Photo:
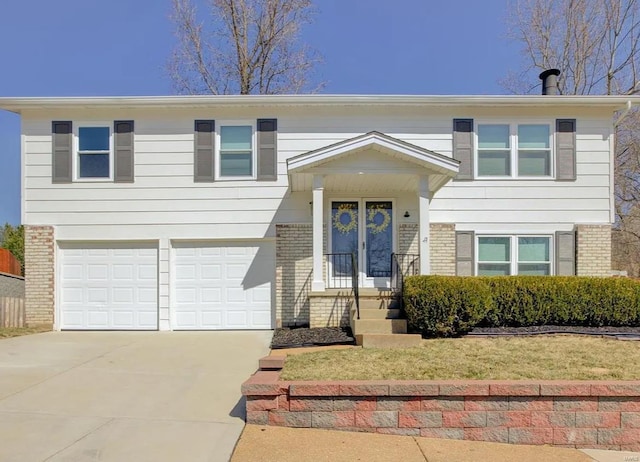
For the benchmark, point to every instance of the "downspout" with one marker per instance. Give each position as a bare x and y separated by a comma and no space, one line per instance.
624,114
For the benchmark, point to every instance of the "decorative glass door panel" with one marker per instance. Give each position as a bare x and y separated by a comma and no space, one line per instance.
378,239
371,243
344,242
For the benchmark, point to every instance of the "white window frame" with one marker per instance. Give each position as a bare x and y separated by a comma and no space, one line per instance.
254,149
513,247
75,163
513,144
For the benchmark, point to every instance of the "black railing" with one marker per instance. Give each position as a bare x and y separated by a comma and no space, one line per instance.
355,283
402,264
342,271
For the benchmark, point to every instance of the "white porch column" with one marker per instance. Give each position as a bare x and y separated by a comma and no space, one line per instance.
317,284
424,198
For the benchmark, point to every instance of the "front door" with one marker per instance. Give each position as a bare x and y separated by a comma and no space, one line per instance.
363,228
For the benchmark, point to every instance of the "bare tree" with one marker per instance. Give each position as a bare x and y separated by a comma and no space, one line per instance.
244,47
596,45
594,42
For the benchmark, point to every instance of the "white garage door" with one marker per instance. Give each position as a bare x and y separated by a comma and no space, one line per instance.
223,286
109,286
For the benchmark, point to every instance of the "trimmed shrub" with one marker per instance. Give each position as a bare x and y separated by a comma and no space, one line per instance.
443,306
449,305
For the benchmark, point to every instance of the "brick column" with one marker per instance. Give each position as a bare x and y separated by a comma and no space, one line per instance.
39,275
443,249
594,250
294,265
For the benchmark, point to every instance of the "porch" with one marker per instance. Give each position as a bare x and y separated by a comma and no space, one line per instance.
369,198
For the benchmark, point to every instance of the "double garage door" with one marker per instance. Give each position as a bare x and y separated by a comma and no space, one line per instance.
213,286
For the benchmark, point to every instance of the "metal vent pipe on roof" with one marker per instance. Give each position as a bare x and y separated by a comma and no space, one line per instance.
549,81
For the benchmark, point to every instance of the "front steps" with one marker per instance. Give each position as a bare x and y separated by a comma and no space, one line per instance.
380,324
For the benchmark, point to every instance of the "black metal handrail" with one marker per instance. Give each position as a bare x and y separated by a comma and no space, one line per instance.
343,272
355,283
402,264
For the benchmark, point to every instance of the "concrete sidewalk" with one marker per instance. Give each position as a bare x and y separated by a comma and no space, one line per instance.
265,444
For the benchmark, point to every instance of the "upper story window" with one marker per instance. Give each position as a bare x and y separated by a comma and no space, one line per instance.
94,152
507,255
237,153
514,150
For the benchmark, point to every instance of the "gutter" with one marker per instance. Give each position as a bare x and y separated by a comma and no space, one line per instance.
629,105
20,104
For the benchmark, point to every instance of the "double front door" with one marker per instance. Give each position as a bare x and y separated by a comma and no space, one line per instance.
364,228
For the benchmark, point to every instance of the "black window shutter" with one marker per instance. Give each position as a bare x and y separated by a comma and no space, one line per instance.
465,253
123,151
463,147
566,149
204,150
565,253
62,143
267,149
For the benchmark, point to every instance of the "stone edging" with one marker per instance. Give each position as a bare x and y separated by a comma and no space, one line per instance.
577,414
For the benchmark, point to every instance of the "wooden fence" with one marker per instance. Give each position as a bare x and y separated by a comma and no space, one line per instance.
12,312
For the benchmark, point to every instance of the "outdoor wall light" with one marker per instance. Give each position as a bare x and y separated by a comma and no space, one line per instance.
407,214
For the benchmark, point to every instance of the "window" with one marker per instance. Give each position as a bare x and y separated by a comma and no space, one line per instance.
506,255
236,151
534,150
94,152
507,150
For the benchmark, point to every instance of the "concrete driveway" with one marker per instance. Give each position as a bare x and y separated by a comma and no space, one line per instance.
119,396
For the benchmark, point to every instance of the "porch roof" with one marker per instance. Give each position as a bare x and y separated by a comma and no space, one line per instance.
361,163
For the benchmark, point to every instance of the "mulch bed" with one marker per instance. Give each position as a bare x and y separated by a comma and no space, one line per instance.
619,332
304,336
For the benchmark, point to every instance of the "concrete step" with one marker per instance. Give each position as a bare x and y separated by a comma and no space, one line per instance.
379,326
377,303
375,313
379,293
389,340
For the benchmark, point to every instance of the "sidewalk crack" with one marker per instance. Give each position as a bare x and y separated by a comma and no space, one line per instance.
415,440
79,439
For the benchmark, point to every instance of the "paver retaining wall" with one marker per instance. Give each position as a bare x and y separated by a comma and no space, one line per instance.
577,414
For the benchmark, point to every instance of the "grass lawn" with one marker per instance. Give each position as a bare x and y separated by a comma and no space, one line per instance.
7,332
562,357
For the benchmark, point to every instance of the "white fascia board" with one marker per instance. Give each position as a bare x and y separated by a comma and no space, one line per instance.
604,101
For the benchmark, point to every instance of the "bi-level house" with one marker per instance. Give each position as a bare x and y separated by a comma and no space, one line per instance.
250,212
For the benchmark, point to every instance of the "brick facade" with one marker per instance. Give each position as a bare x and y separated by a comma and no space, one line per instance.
296,304
578,414
443,249
330,308
294,265
593,250
39,275
408,238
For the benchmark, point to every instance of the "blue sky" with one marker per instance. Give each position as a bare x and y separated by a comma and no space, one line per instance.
120,47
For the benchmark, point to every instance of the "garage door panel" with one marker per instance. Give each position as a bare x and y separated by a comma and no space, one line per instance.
219,275
97,296
97,272
109,286
210,295
211,319
211,272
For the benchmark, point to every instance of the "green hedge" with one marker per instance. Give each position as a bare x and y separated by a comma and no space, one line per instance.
449,305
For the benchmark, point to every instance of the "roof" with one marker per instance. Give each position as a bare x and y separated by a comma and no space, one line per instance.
612,103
